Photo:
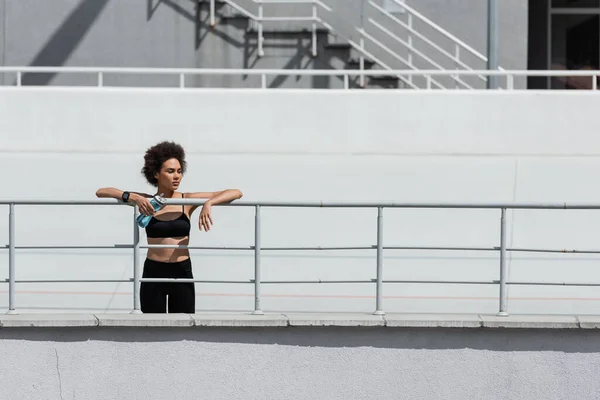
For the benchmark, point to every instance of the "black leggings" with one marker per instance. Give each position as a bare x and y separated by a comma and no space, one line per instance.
153,295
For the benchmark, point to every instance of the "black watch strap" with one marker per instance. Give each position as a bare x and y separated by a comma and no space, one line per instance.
125,197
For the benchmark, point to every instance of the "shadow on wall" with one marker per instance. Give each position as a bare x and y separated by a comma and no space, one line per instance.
66,38
506,340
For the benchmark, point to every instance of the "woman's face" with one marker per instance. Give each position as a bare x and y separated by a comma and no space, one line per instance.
170,175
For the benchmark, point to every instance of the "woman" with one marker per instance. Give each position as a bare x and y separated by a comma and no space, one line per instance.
164,167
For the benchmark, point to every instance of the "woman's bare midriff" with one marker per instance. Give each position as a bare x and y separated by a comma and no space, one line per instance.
168,255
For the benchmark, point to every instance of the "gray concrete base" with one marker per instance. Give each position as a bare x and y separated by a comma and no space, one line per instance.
298,320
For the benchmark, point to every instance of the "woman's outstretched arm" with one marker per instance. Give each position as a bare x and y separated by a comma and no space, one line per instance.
140,199
213,198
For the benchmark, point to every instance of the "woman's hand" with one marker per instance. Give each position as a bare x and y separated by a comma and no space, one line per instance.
205,219
143,204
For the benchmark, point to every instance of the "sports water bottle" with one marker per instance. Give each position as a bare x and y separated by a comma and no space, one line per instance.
157,202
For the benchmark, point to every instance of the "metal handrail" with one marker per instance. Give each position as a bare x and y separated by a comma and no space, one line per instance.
441,30
316,19
379,247
182,72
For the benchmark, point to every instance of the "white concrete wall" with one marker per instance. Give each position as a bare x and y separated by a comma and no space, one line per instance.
314,145
298,363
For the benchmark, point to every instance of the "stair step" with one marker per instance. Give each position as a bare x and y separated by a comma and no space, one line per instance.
287,32
340,46
384,78
356,62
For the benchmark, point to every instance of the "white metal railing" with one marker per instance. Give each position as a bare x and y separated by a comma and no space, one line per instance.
502,282
101,72
460,47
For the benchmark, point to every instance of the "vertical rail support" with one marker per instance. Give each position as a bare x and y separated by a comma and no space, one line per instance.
410,44
181,81
314,28
213,20
503,267
429,81
379,294
257,309
261,50
594,82
510,82
456,61
11,259
362,60
263,81
136,264
19,78
346,82
100,79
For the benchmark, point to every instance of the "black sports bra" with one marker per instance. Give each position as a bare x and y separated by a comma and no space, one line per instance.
178,227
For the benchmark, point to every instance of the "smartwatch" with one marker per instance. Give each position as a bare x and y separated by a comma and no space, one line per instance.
125,197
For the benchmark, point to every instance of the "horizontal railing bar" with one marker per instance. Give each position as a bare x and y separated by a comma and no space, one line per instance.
182,246
175,280
322,204
75,247
553,284
284,19
71,281
301,248
289,72
186,280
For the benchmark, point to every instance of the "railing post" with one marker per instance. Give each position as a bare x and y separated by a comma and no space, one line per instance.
257,309
136,264
410,44
429,81
456,62
314,28
100,79
19,78
213,21
182,81
261,51
594,82
510,82
379,294
346,82
362,60
11,259
263,81
503,267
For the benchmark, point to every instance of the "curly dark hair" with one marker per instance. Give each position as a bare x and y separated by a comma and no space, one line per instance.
156,156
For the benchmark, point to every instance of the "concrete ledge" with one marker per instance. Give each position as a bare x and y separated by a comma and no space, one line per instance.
471,321
145,320
240,320
530,321
432,321
47,320
335,320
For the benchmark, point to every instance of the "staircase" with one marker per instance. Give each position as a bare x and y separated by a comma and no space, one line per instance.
364,38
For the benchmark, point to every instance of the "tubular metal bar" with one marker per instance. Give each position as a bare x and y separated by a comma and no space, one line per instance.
11,260
379,290
257,309
304,72
183,246
75,281
437,282
325,204
136,264
213,21
503,266
300,248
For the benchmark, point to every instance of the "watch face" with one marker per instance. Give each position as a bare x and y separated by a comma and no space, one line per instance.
125,196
